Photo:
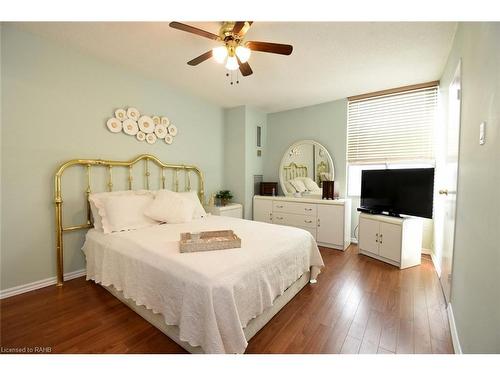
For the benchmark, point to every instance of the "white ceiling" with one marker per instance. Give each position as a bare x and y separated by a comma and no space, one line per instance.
330,60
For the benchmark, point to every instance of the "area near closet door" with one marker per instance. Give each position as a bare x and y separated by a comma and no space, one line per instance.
328,221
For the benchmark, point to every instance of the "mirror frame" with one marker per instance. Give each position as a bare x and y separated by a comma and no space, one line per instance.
283,158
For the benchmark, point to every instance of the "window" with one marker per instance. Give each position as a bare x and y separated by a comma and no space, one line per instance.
391,130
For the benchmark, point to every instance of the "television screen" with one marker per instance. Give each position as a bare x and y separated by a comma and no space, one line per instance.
398,191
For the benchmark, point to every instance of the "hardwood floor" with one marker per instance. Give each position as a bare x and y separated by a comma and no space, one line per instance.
359,305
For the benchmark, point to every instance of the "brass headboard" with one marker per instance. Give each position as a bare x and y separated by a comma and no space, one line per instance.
293,170
88,164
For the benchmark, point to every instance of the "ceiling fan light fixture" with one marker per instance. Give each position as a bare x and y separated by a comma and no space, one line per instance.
219,54
232,63
243,53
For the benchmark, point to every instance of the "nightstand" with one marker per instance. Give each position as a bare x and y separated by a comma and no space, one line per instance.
231,210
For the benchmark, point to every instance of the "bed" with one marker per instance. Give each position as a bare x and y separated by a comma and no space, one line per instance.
207,302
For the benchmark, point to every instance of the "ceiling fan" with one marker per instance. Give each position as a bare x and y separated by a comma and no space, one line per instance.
235,52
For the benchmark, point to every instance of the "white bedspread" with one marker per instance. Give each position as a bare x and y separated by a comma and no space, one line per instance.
210,295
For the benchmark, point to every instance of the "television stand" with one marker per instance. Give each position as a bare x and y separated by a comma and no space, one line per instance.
393,240
393,214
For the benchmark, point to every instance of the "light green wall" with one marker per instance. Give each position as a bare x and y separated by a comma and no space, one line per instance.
241,161
325,123
254,163
234,146
475,293
55,103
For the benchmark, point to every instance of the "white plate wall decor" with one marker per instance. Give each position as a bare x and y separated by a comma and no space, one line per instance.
121,114
151,138
114,125
172,130
161,131
130,127
146,124
133,113
143,127
140,136
165,121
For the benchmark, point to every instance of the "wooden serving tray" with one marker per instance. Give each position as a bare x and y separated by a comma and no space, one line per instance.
211,240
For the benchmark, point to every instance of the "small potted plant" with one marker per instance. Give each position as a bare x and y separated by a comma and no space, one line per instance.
224,196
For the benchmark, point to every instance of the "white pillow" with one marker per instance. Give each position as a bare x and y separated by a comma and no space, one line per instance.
310,184
199,211
289,187
298,185
123,210
94,197
96,218
171,207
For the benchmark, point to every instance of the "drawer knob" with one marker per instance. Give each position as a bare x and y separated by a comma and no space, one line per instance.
279,206
308,209
308,221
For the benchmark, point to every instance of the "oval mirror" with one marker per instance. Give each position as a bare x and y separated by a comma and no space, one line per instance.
308,162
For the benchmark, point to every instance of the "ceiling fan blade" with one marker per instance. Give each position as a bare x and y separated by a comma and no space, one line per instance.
193,30
281,49
241,27
200,59
244,68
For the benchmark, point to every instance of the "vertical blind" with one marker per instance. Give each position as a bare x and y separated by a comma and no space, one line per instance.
392,128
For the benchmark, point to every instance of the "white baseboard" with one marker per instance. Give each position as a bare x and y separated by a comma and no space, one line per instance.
426,251
354,240
39,284
453,329
436,264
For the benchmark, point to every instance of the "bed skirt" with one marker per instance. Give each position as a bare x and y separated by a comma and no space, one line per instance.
253,326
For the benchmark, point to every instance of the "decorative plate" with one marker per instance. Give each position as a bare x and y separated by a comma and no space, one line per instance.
133,113
146,124
169,139
156,120
165,121
172,130
120,114
140,136
130,127
114,125
161,131
151,138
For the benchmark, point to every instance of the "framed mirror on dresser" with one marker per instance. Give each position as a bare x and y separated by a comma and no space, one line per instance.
304,168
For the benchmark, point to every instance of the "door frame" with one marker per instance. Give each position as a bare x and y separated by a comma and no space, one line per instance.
457,73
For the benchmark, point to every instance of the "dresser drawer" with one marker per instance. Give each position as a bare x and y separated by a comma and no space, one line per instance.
294,220
294,208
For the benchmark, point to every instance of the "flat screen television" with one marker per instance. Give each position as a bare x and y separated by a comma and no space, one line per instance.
398,191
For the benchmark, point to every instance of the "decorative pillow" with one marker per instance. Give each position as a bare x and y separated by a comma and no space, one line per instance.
96,218
298,185
289,187
93,197
310,184
123,210
171,207
199,211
